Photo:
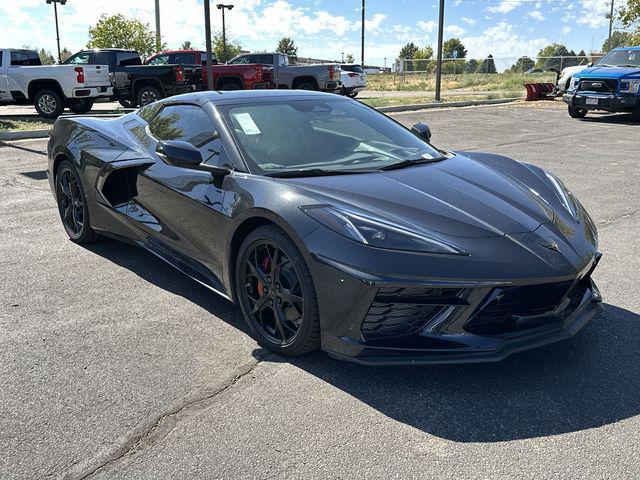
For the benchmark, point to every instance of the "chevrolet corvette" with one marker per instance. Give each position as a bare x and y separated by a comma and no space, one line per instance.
334,227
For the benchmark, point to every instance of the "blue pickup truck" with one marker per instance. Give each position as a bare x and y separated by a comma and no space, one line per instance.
612,84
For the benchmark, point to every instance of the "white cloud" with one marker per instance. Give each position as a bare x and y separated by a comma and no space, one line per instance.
470,21
566,30
536,15
454,30
594,13
505,6
427,26
502,41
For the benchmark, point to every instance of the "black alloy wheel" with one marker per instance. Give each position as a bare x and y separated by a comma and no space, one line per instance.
72,204
575,112
276,293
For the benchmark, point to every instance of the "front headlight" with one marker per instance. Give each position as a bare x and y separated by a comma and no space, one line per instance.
574,83
377,232
630,86
564,195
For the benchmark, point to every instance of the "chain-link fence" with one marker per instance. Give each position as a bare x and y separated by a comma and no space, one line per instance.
490,77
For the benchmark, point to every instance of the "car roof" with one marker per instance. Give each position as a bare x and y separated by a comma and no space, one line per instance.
628,48
182,51
108,50
246,96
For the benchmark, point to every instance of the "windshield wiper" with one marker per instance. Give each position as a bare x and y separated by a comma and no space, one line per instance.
313,172
411,162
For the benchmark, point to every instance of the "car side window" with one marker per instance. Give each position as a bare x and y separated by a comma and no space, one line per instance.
24,59
190,123
1,52
183,59
160,60
80,59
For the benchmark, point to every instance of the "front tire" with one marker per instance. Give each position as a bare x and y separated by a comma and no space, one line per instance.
575,112
635,114
72,204
276,293
48,103
81,106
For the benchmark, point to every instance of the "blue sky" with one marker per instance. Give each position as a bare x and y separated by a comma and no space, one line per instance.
326,28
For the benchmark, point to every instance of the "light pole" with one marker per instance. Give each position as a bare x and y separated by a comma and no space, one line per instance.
158,36
224,33
55,11
362,39
342,57
610,27
439,57
207,40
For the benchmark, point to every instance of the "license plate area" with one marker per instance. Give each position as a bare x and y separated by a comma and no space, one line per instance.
591,101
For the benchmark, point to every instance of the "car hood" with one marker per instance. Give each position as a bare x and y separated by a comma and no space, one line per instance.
609,72
457,197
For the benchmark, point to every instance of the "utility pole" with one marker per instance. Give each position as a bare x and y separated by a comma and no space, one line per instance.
224,32
55,12
362,39
158,36
207,35
610,27
342,57
439,57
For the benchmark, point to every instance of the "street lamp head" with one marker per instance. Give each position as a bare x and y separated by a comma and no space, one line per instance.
220,6
61,2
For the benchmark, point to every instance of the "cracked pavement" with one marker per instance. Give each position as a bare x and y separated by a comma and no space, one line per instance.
113,365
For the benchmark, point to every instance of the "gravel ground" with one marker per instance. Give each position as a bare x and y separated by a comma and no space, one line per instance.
112,365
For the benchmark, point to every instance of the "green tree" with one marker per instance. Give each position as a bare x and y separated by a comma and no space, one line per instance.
618,39
453,45
488,65
233,48
555,51
65,53
288,47
630,17
186,46
472,66
349,58
423,59
407,52
522,65
118,31
45,57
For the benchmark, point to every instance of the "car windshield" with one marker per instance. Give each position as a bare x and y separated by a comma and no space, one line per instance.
620,58
330,135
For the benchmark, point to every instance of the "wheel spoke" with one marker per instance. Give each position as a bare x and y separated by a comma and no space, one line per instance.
259,305
275,264
280,320
257,272
290,297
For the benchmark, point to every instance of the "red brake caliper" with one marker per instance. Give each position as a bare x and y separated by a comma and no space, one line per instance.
265,268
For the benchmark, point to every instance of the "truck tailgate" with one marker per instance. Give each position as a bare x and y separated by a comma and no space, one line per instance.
96,74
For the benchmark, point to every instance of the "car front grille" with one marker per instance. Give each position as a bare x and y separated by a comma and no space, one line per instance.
515,309
604,85
404,311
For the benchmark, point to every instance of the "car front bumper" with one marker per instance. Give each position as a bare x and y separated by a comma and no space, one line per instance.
609,103
378,319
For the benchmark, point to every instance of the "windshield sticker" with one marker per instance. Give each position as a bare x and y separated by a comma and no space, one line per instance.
249,127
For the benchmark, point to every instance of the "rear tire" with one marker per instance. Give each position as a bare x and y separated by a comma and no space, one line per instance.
353,94
305,86
276,293
127,103
575,112
72,204
227,87
147,95
80,106
48,103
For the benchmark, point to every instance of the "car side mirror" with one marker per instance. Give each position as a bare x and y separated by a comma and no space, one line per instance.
422,130
590,64
184,155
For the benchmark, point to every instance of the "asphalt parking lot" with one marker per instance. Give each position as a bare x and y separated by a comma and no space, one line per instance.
113,365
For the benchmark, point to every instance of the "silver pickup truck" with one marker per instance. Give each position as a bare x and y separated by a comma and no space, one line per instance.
324,77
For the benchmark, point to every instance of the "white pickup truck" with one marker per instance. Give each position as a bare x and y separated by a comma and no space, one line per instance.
51,88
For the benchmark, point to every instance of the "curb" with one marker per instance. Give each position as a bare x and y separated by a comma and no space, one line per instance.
24,135
425,106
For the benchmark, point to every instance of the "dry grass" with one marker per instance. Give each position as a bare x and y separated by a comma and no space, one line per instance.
24,125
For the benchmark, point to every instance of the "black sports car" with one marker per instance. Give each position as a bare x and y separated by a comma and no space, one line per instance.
333,226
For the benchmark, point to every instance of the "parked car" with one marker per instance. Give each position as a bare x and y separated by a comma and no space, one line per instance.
138,84
566,76
333,226
225,77
612,85
51,88
324,77
353,79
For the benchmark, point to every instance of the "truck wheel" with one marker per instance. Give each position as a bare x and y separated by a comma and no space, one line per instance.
575,112
80,106
635,114
230,86
305,86
127,103
147,95
353,94
48,103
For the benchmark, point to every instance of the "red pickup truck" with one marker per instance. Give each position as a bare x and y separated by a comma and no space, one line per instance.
225,77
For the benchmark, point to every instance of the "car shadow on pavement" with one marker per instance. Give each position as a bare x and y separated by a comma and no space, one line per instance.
588,381
614,119
585,382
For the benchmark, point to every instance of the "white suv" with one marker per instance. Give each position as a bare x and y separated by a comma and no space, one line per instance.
353,78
